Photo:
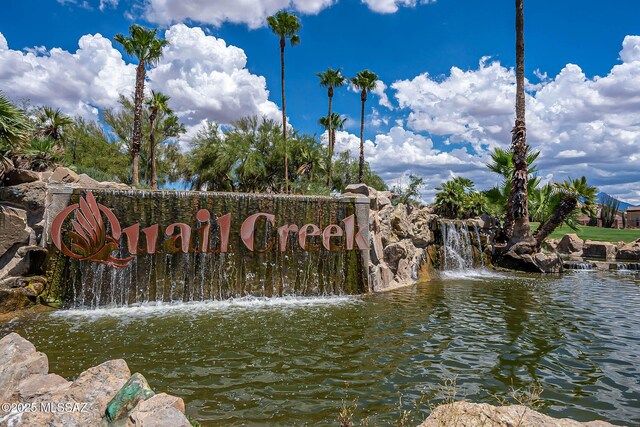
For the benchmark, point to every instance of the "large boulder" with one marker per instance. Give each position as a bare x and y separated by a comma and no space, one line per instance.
63,175
18,361
420,220
21,176
17,293
571,244
27,261
630,251
400,224
13,228
604,250
159,410
467,414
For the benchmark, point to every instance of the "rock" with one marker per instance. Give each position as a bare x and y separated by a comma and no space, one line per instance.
383,201
28,261
159,411
29,196
522,256
420,234
630,251
377,248
362,189
64,175
17,293
399,220
394,253
373,198
39,385
548,263
85,181
21,176
386,232
114,185
95,387
551,244
466,414
135,390
13,228
571,244
604,250
19,360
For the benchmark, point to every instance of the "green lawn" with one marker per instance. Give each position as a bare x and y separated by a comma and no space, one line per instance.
596,233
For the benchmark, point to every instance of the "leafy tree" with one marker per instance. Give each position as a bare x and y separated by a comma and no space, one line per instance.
365,81
143,44
285,25
330,79
572,195
170,161
608,211
517,219
347,170
411,192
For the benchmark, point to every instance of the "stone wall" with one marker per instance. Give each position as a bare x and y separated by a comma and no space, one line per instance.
24,205
402,245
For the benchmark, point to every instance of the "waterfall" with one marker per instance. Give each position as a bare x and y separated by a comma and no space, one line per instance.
622,266
168,275
458,248
579,265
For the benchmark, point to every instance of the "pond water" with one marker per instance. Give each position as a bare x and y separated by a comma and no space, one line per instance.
297,361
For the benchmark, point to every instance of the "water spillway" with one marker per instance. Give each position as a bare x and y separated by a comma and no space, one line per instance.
461,246
123,247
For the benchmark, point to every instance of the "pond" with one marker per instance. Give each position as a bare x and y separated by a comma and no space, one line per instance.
297,361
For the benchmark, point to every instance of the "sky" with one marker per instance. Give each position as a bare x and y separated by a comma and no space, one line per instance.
445,94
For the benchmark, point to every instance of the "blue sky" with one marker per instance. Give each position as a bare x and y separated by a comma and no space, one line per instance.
445,123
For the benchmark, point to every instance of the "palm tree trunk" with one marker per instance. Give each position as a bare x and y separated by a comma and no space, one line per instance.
566,206
152,148
284,118
363,97
518,197
329,134
137,122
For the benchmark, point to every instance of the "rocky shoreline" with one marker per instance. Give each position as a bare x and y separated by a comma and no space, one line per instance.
107,394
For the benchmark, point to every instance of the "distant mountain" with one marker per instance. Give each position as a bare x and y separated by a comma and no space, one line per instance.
623,205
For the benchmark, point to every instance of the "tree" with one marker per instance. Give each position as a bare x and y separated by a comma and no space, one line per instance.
170,162
15,130
571,195
517,221
52,123
365,81
336,123
609,210
347,170
144,44
330,79
411,192
286,26
450,200
157,103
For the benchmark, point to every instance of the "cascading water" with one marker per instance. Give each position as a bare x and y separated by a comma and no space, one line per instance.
458,248
579,265
167,276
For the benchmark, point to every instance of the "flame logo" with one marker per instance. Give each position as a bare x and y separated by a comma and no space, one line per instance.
89,239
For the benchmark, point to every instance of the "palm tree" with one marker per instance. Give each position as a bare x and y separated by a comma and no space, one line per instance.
157,103
365,81
15,129
336,123
572,195
144,44
517,219
285,25
51,123
330,79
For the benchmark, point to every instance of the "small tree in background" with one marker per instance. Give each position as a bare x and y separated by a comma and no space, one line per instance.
608,211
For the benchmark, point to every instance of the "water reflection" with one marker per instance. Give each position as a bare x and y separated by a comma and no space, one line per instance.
261,361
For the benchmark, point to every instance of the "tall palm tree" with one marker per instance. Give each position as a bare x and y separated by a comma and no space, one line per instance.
336,123
158,103
517,222
365,81
330,79
144,44
285,25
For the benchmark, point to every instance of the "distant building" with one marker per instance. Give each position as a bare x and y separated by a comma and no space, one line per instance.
633,217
